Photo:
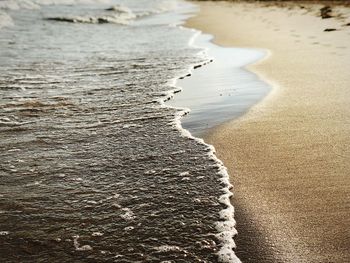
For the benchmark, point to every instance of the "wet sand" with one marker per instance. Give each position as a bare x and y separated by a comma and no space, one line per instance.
289,156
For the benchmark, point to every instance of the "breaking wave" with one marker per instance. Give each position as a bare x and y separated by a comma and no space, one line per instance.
92,20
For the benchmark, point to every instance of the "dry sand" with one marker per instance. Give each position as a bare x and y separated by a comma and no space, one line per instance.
289,156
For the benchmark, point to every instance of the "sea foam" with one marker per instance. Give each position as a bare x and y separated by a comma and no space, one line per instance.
226,225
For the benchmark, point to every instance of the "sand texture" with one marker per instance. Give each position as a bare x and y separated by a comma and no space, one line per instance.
289,156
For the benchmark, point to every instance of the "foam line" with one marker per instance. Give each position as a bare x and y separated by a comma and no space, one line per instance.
226,225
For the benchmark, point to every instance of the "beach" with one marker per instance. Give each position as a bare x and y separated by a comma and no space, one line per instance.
289,156
98,166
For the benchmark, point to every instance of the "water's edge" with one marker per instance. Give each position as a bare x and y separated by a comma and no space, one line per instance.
90,149
223,90
185,124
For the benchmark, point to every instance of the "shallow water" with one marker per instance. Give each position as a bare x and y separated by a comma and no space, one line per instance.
222,90
93,167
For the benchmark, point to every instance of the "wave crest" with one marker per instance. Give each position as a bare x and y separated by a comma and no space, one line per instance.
91,19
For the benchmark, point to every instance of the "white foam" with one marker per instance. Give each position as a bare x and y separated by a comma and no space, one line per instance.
4,233
115,196
197,200
116,205
114,19
77,245
126,126
226,228
77,179
128,214
97,234
14,150
34,183
167,248
120,9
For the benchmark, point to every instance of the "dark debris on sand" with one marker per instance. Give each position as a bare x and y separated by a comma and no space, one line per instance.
326,12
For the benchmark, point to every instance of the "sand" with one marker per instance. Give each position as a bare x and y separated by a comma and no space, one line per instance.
289,155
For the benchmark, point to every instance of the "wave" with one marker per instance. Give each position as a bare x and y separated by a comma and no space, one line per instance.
116,14
120,9
8,5
91,19
120,15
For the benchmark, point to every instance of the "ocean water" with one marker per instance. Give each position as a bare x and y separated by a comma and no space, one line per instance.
94,166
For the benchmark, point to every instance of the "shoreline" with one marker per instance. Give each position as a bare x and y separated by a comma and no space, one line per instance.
236,88
287,156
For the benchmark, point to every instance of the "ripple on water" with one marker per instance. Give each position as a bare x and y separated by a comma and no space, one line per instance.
106,174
